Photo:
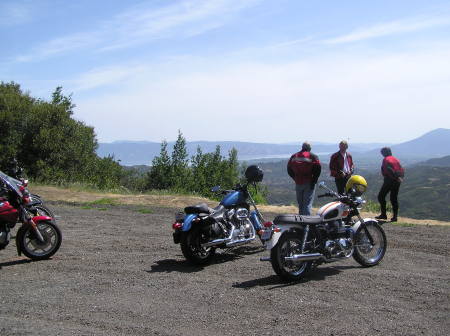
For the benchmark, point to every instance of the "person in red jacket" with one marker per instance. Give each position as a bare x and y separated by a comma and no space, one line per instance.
341,166
393,174
304,168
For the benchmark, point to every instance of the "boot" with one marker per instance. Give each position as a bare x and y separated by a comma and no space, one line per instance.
395,212
383,212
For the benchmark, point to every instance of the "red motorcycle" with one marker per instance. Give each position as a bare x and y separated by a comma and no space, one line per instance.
39,237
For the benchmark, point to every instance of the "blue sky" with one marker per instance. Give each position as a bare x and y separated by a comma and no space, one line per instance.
249,70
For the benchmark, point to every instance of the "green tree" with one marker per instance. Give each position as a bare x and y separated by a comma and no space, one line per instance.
160,174
49,144
199,180
180,172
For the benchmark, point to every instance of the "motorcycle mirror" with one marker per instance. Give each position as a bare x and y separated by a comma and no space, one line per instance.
215,189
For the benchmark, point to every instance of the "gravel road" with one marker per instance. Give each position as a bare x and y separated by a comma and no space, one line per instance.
119,273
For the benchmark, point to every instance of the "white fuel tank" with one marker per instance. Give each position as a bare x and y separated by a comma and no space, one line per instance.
333,210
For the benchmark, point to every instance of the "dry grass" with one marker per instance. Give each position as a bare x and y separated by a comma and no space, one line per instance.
175,201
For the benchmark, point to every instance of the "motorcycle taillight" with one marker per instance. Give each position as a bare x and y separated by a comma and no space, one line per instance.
176,225
268,224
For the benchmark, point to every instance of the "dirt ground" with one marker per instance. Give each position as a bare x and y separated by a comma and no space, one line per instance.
119,273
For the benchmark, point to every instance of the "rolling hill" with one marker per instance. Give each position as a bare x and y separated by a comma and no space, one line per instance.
433,144
425,192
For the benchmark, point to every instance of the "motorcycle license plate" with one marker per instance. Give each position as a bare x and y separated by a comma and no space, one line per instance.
267,234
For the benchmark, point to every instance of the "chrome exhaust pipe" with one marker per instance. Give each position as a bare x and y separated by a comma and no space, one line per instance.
216,242
305,257
240,242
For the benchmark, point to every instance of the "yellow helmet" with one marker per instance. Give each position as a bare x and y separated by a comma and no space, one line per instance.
356,185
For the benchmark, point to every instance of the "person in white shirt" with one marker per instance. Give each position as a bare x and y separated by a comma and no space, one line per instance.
341,166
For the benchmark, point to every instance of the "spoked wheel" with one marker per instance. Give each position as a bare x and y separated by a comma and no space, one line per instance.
191,247
290,270
369,253
34,249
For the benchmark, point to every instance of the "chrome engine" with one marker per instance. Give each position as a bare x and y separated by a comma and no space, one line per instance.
242,226
239,229
337,248
342,244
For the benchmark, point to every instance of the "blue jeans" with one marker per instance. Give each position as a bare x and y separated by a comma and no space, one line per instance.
305,196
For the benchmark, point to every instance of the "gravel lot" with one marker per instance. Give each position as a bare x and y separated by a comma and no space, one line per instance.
119,273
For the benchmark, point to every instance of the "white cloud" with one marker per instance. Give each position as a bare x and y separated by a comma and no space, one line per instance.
144,23
384,97
390,28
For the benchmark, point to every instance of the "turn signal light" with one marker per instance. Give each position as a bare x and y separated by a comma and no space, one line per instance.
176,225
277,229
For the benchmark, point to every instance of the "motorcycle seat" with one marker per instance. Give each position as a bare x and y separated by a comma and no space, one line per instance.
201,208
296,219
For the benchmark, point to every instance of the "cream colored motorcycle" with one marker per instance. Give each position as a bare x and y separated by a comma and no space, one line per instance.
298,243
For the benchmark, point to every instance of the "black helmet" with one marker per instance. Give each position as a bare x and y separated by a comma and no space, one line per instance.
254,174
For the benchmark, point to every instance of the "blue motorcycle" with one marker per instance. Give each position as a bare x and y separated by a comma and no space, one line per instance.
200,229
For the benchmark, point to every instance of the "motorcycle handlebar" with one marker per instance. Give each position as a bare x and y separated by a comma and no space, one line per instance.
326,195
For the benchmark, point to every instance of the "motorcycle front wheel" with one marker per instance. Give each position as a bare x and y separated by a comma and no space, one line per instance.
191,247
34,249
42,210
366,253
290,270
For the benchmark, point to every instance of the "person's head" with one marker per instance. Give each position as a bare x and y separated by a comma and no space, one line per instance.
343,145
306,147
386,151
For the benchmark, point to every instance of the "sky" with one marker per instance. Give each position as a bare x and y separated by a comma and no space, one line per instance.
271,71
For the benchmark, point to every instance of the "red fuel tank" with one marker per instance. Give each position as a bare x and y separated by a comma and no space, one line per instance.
7,212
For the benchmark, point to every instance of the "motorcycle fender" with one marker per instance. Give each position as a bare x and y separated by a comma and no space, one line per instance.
38,219
272,242
187,223
356,226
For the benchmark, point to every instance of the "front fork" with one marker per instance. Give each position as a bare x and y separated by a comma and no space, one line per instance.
366,231
29,221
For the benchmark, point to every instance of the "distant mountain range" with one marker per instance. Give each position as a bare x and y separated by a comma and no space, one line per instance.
439,162
432,144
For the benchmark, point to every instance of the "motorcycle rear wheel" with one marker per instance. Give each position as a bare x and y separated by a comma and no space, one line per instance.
191,247
288,245
366,254
33,248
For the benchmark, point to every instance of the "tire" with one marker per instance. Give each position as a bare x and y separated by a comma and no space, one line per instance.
30,245
366,254
191,247
289,244
42,210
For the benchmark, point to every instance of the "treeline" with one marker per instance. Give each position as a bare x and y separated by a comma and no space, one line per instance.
177,172
51,146
48,143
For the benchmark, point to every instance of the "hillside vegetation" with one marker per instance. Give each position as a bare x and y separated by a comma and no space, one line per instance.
425,192
44,139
